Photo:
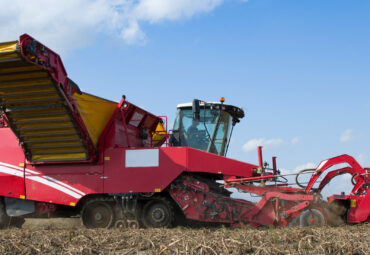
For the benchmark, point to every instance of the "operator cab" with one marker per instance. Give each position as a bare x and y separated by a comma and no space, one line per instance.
205,126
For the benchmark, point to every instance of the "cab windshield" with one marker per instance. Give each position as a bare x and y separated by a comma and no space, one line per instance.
210,133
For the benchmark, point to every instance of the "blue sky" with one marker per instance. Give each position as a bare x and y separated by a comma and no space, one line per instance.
300,69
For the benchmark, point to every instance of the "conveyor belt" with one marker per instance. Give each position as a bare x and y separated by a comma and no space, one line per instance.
37,110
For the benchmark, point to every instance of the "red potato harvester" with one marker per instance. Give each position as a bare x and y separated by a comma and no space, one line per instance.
64,152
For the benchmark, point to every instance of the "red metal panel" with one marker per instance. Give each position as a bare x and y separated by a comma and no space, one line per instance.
359,210
172,162
200,161
63,184
119,179
11,170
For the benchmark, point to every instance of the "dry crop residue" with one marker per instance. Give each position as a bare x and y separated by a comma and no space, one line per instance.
325,240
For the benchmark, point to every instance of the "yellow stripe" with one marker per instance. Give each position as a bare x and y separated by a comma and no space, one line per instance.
49,132
58,117
8,56
25,83
56,144
46,138
23,76
45,125
77,156
19,69
8,46
34,97
71,150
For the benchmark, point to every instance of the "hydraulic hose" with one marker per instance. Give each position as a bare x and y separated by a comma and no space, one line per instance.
300,172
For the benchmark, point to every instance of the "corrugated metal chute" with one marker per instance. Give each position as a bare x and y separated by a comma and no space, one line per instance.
95,112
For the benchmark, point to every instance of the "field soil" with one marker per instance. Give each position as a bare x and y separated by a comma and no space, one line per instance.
63,236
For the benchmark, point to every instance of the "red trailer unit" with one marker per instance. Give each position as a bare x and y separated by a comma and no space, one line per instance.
64,152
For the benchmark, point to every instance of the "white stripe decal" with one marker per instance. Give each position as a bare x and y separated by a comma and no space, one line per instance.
10,171
55,186
31,172
49,181
65,185
322,164
12,166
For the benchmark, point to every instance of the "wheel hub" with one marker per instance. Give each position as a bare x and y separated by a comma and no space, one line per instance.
98,216
158,215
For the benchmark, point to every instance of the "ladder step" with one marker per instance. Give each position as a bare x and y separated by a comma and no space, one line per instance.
3,60
41,93
48,134
22,88
52,140
41,121
29,82
8,51
51,152
18,69
23,101
35,107
57,159
41,114
43,128
23,76
50,146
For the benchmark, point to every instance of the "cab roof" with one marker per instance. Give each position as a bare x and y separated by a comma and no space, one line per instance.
234,111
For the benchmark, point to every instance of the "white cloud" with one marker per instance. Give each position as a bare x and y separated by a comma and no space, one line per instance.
295,140
363,159
347,136
309,165
346,177
252,145
284,171
158,10
69,24
132,34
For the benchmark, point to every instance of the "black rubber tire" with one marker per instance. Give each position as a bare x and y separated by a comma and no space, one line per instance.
98,213
121,224
158,213
16,222
4,218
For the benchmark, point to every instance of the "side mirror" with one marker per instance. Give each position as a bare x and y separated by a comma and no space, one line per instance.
196,109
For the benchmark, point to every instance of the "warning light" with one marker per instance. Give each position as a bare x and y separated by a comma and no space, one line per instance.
222,100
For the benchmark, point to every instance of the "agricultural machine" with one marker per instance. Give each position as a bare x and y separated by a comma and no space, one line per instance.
67,153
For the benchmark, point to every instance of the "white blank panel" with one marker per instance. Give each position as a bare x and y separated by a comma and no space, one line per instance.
142,158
